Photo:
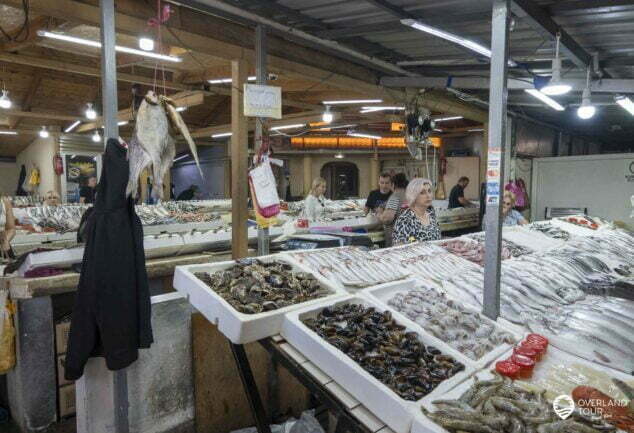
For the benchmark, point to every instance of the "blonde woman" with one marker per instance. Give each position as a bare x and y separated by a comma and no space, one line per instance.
511,217
51,199
7,227
315,202
418,222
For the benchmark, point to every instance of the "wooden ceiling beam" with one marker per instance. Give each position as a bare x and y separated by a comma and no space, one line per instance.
39,115
27,101
45,63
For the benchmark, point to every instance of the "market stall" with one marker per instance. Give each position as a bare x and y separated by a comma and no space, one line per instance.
558,277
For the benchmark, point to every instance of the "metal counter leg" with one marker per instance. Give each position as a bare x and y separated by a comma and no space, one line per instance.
250,388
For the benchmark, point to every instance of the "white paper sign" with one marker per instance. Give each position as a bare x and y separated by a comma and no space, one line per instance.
264,185
262,101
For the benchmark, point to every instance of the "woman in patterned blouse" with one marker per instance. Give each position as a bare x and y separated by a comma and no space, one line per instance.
418,222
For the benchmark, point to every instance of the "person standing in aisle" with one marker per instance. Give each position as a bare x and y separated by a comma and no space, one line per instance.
7,227
379,197
393,207
87,192
188,194
315,202
456,196
418,222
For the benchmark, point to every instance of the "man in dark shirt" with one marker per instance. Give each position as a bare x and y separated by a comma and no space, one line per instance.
378,197
87,192
456,196
188,194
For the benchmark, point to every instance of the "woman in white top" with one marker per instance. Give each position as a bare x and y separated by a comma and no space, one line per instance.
7,226
315,202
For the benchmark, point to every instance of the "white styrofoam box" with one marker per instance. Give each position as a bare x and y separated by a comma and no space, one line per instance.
195,241
57,258
394,411
238,327
385,292
162,245
422,424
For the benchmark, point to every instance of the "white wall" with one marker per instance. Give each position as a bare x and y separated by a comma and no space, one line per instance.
597,182
40,153
9,173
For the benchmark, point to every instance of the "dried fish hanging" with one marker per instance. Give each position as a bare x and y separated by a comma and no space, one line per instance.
152,142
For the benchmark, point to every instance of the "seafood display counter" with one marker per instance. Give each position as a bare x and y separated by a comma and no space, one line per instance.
410,332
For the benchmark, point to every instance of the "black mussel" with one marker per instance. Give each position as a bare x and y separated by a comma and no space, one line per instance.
458,367
433,350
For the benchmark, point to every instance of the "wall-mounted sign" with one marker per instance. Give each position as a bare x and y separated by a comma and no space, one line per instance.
262,101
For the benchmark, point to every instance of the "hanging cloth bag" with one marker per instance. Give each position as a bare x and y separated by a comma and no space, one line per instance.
265,198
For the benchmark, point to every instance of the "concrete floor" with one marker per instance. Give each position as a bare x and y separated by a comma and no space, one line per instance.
66,426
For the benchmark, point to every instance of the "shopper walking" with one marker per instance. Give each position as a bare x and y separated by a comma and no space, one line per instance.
418,222
456,196
315,202
378,198
393,207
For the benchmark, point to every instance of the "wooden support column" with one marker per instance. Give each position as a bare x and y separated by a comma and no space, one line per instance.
308,175
239,155
227,165
374,170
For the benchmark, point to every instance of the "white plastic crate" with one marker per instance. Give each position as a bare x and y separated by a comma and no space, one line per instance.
385,292
238,327
393,410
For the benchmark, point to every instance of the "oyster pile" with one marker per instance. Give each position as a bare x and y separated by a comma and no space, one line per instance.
464,330
499,405
251,286
385,349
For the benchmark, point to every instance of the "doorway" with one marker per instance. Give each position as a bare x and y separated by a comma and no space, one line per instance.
342,179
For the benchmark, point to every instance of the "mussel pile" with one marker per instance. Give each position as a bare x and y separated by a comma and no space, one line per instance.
252,286
385,349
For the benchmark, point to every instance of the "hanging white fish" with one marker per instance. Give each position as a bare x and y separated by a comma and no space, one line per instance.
153,144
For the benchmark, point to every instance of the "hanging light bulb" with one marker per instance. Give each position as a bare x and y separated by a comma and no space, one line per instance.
327,116
96,137
5,102
586,110
146,43
44,132
555,86
91,114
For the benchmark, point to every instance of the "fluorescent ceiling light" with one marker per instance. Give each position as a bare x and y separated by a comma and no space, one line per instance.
181,157
96,137
626,103
356,134
555,86
545,99
476,130
327,116
123,122
222,134
44,132
437,130
91,114
228,80
444,119
95,44
181,109
9,132
448,36
380,108
296,125
327,128
72,126
339,155
353,101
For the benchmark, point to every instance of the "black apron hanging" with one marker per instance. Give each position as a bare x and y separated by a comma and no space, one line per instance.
112,313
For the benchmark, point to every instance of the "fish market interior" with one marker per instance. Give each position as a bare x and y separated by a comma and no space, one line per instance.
316,216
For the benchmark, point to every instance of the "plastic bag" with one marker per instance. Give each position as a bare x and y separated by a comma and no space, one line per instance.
307,423
7,333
